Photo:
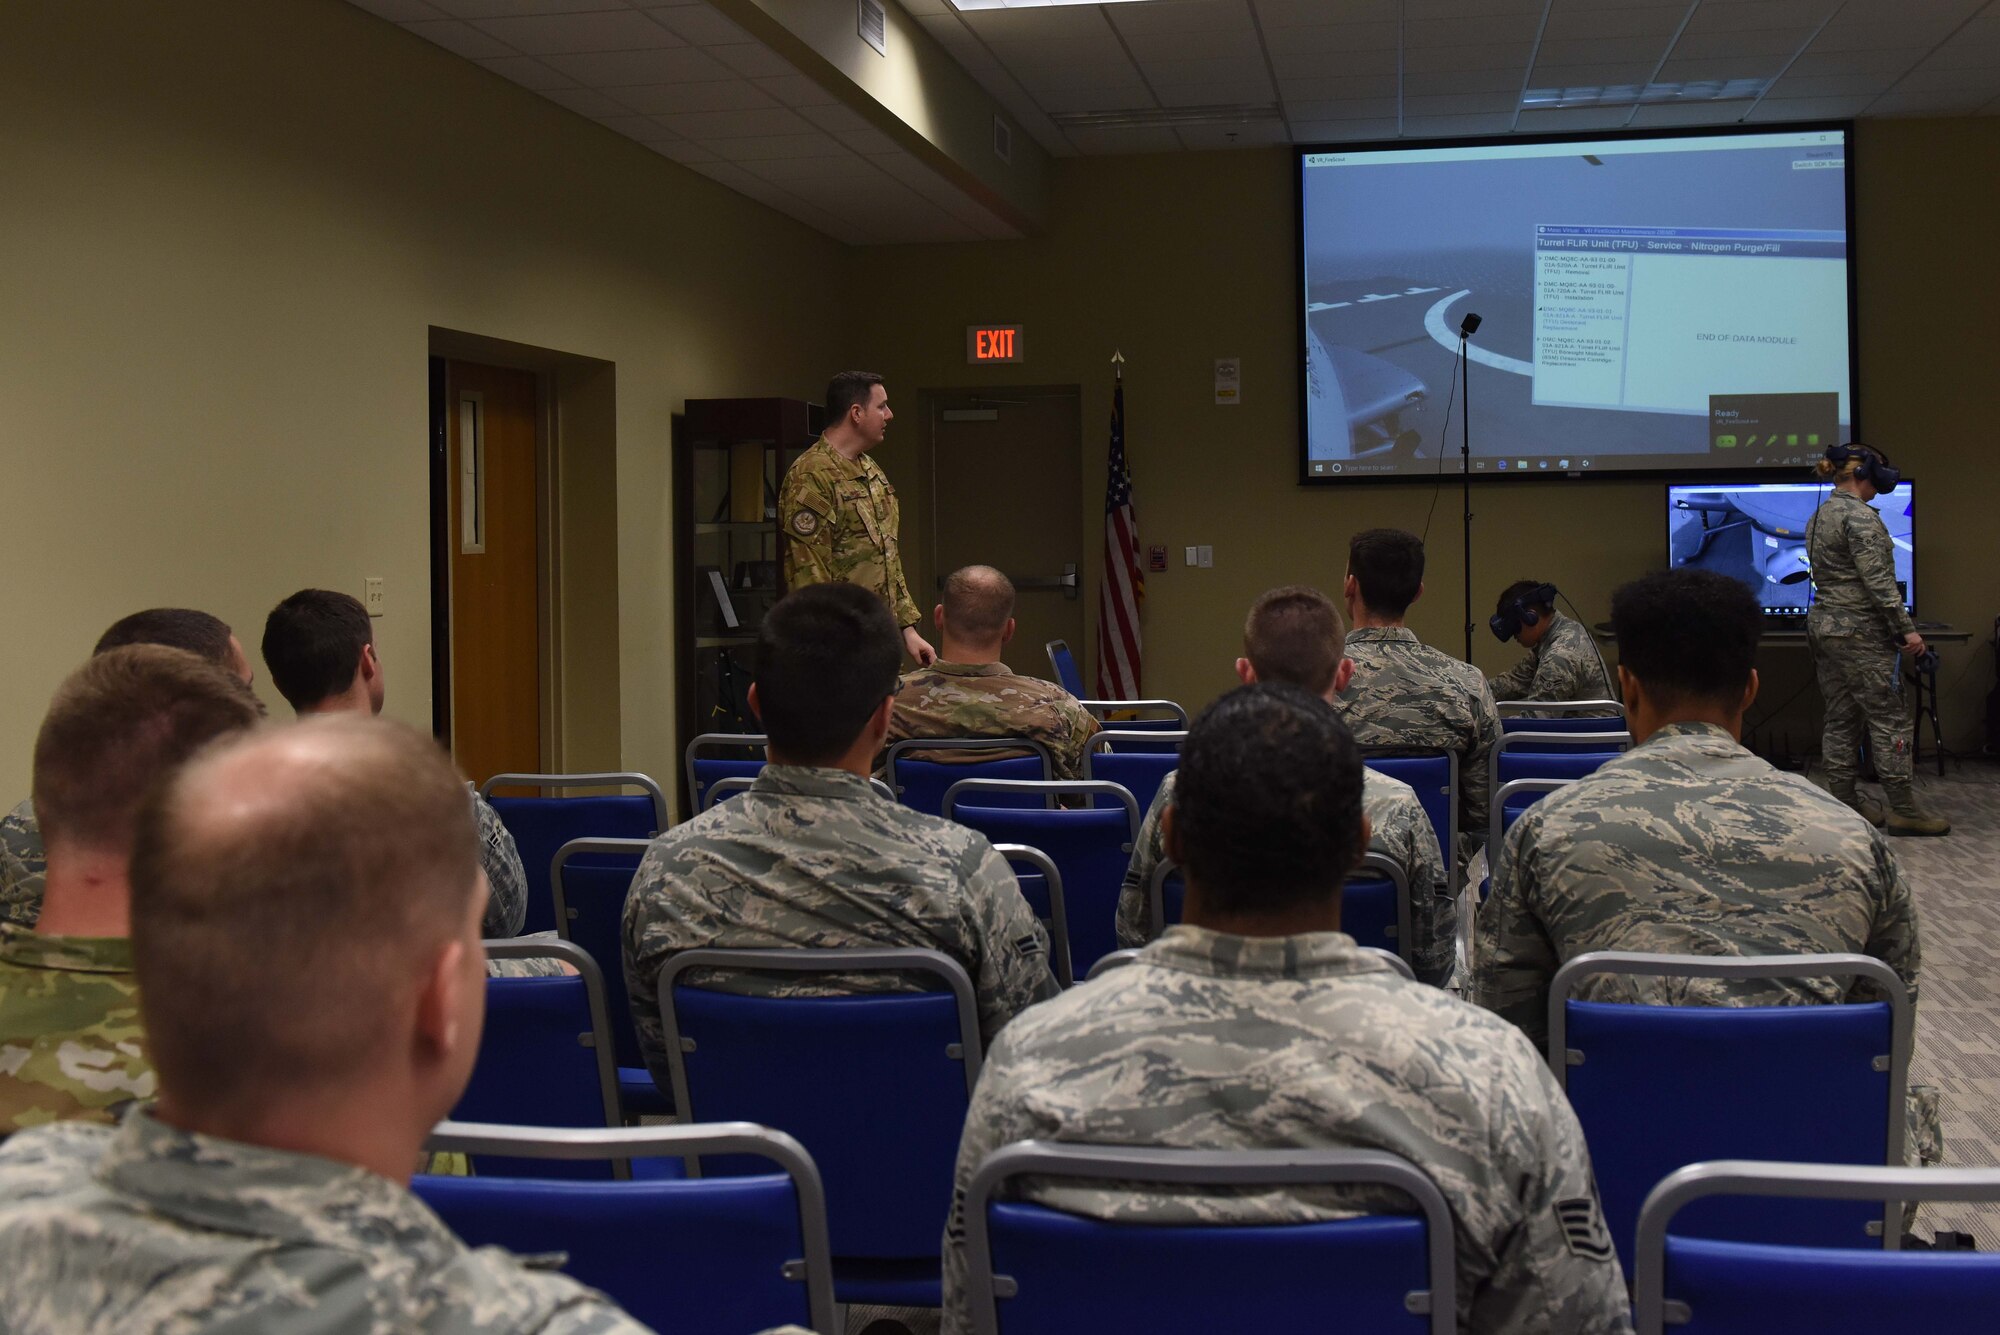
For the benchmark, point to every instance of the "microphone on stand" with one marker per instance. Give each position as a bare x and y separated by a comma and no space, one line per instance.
1469,325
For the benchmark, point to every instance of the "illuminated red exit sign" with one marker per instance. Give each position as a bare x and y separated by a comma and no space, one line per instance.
994,342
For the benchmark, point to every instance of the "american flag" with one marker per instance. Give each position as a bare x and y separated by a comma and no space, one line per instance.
1124,588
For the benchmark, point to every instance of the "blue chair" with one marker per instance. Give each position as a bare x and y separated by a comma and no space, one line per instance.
725,788
1659,1087
1509,801
541,825
1041,885
1031,1268
1092,845
715,1256
1576,716
544,1056
703,770
1543,755
1118,959
1164,719
1063,663
921,784
1434,774
1374,904
1747,1288
1137,761
591,879
874,1085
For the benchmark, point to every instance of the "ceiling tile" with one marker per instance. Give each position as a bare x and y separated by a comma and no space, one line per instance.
1462,104
1307,13
711,125
1234,69
528,72
644,129
460,39
1486,123
965,47
1246,134
1874,60
588,102
1909,30
1965,53
563,34
1831,85
1609,50
1679,70
1072,78
1472,31
1760,42
1334,38
489,9
1135,139
1808,108
1450,9
1428,83
752,60
1309,132
1239,44
1242,92
619,69
756,148
1020,53
869,140
1341,109
1165,16
1305,92
661,99
1567,23
1690,113
400,11
1509,55
1040,24
699,24
1950,80
1589,76
1290,63
1560,119
686,150
1115,97
796,90
919,8
1760,15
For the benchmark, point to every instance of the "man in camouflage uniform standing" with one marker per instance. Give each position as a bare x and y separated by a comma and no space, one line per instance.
1689,844
1562,662
1857,626
968,691
812,856
1257,1024
267,1188
205,636
838,518
70,1039
1405,695
1294,635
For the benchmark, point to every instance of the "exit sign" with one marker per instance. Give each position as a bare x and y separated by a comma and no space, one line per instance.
993,342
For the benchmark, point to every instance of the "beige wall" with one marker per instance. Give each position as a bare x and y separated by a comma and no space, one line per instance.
228,229
1179,260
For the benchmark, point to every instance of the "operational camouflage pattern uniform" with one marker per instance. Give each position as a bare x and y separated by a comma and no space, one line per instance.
1857,617
840,520
22,865
1398,830
816,858
987,700
1407,695
1564,666
146,1228
70,1038
1211,1041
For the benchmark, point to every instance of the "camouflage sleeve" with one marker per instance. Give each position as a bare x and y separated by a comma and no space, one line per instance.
22,866
542,966
1472,767
1412,844
806,516
901,605
1875,561
997,1117
1070,741
1516,959
645,954
1893,937
1514,683
1134,922
1556,1267
1010,945
506,879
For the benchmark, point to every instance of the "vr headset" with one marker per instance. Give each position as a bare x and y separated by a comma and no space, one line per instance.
1871,468
1523,611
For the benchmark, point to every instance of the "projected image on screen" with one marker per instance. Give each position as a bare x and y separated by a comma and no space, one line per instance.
1673,303
1756,532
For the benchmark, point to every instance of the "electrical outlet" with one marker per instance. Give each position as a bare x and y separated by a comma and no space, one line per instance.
372,599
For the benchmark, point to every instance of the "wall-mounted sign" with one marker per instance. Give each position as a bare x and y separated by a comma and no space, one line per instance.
994,343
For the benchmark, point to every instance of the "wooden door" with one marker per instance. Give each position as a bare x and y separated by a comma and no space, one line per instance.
1006,468
493,518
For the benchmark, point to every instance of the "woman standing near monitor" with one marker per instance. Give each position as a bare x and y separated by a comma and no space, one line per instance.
1856,627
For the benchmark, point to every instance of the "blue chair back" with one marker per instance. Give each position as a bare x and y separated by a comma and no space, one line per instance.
1165,720
542,825
592,878
875,1086
1040,881
921,784
1659,1087
1090,845
1063,663
544,1057
1510,800
1375,904
1605,720
728,762
1064,1273
1135,761
1739,1288
714,1256
1435,776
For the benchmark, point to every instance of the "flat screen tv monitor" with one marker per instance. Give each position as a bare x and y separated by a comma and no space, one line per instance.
1667,303
1756,532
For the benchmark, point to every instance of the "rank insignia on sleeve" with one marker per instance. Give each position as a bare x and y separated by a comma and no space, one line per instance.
1583,1228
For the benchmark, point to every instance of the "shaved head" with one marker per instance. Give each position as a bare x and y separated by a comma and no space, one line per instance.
290,892
978,603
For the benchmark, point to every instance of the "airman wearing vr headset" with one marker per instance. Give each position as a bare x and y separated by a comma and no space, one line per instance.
1857,626
1562,663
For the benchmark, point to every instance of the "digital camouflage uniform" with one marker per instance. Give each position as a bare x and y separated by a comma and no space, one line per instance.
1856,620
22,865
70,1038
840,520
1564,666
1398,829
817,858
1691,845
987,700
506,879
1211,1041
144,1228
1407,695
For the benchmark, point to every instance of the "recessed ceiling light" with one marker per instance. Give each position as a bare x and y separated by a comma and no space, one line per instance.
1632,94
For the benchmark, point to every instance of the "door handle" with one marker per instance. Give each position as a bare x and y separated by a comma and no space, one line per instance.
1066,581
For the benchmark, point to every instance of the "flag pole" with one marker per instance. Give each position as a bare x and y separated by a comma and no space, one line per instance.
1117,365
